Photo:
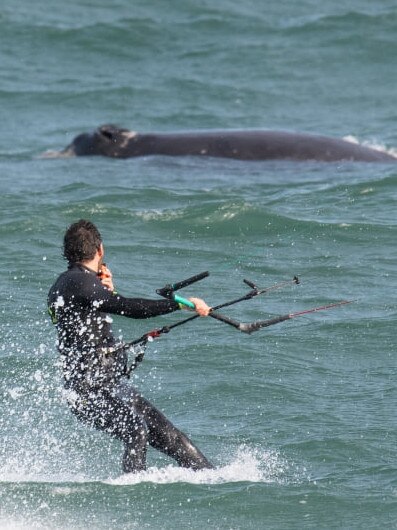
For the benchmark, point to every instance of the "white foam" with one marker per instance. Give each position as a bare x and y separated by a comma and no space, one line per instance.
373,145
15,524
21,523
247,465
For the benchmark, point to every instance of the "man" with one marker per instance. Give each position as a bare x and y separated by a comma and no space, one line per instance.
94,364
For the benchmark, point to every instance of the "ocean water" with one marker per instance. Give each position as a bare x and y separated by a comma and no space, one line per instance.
299,418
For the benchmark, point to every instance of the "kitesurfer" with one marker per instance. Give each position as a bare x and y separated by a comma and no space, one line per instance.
95,364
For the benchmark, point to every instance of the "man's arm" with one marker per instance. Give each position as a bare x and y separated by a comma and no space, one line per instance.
94,292
112,302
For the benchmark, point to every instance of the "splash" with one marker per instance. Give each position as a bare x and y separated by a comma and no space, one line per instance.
247,465
19,523
373,145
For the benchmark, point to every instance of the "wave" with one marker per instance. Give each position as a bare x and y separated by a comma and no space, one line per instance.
352,19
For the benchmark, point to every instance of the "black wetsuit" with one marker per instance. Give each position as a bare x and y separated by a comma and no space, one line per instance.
94,369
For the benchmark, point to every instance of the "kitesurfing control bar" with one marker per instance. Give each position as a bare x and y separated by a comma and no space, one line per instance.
168,290
255,291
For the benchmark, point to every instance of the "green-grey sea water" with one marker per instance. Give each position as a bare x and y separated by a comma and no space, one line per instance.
300,418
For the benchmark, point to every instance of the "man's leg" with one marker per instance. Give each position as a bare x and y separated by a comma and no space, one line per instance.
110,414
162,434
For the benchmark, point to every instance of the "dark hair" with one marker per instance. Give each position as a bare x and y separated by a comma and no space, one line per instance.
82,239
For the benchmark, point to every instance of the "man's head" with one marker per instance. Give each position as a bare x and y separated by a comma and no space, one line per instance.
81,242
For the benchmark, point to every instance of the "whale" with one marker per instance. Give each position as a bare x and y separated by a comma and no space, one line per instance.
116,142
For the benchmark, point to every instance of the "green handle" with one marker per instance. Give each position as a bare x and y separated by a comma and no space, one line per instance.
179,300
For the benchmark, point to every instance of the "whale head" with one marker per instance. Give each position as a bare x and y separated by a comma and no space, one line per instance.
108,140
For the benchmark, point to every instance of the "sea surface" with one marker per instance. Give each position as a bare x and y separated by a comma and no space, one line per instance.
299,418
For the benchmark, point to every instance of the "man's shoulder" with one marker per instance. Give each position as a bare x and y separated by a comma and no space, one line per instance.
68,278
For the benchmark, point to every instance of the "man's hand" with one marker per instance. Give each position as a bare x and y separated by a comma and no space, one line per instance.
106,277
200,307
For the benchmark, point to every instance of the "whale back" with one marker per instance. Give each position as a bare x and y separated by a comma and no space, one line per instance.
112,141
